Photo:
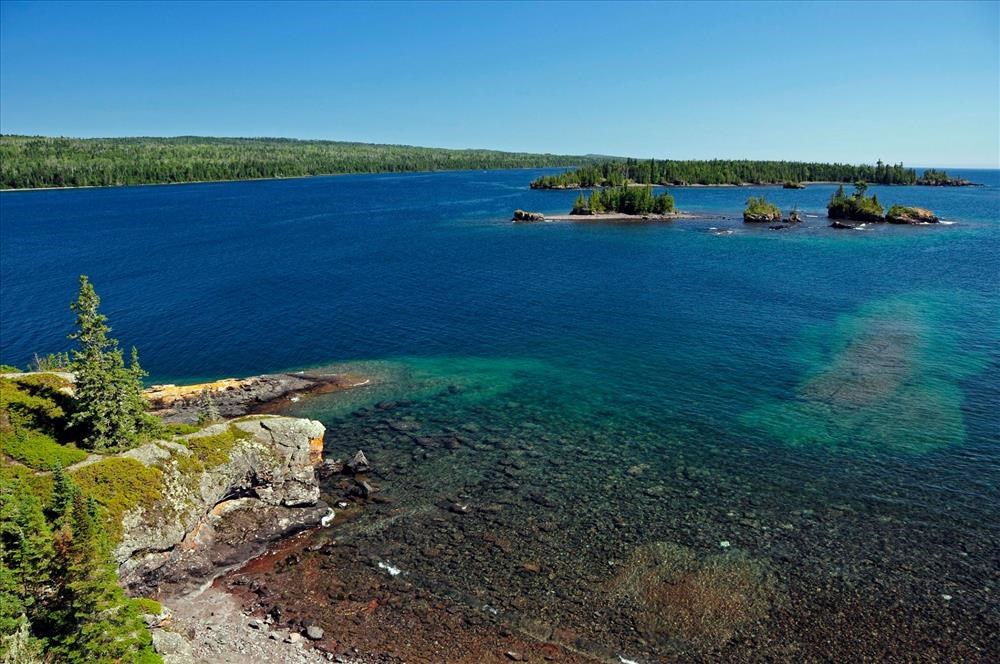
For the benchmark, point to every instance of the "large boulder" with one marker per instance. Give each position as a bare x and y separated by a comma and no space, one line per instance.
899,214
264,480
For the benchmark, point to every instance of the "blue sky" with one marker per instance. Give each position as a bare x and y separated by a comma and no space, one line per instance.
917,82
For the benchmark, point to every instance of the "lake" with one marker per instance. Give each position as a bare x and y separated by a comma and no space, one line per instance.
692,439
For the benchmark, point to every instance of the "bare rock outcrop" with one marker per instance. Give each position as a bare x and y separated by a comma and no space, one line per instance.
210,515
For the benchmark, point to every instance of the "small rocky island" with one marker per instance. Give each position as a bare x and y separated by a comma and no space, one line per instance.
525,217
900,214
760,211
934,178
850,211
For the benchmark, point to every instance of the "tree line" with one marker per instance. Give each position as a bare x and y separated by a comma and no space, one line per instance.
613,173
34,161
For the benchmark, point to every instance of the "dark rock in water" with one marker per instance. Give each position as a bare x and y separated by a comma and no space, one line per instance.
386,405
794,217
363,488
329,468
899,214
836,223
525,216
358,463
778,227
314,632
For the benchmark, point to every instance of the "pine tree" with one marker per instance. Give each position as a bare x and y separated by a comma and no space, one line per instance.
109,400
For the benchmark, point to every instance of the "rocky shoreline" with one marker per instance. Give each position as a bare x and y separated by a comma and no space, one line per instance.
235,397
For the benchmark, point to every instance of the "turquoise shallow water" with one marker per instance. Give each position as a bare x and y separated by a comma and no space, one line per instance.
825,402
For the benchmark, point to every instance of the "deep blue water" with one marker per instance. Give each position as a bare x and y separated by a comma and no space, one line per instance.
812,366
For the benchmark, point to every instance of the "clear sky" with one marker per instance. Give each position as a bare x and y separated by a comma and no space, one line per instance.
855,82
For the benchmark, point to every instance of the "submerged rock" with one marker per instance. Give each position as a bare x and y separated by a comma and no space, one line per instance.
358,463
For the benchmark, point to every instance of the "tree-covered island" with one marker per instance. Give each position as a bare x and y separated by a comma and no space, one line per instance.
866,209
789,174
624,200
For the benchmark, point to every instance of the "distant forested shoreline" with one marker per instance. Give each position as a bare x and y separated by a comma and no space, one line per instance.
615,173
38,162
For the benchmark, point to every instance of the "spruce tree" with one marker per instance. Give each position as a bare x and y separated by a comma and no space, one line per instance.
101,623
109,401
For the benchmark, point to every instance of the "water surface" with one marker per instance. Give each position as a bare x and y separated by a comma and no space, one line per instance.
804,420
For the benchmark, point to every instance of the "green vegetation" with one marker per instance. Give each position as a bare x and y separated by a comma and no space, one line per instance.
614,173
214,450
110,407
901,211
934,178
856,207
50,362
59,594
32,161
759,209
118,485
32,421
624,200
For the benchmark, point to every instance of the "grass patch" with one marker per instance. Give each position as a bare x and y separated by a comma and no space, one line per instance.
40,485
181,429
213,450
120,484
147,606
38,451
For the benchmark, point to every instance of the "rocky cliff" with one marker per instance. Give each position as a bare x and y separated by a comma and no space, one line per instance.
226,492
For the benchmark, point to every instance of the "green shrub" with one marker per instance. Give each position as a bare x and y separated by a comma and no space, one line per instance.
7,368
147,606
119,484
36,450
39,485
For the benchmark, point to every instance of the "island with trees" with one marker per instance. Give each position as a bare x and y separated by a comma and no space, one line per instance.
624,200
935,178
721,172
849,211
759,210
37,161
613,173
